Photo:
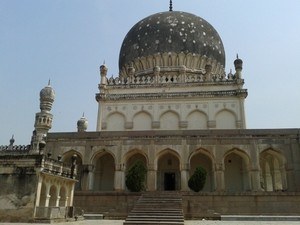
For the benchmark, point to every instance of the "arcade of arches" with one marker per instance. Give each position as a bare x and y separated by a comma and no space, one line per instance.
168,169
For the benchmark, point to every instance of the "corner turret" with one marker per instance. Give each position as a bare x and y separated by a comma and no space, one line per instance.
238,64
82,124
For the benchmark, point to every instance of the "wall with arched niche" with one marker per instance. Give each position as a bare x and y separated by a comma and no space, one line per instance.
115,122
197,120
142,121
225,119
169,120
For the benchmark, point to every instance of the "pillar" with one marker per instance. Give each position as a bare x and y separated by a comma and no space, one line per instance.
119,182
71,194
88,177
283,178
57,201
151,178
220,181
184,177
255,178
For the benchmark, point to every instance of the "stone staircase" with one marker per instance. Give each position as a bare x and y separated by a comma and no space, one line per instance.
157,208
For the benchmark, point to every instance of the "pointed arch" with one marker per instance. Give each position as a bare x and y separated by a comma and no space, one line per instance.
201,157
135,154
169,120
53,196
63,196
142,121
115,121
225,119
104,171
237,174
168,170
273,173
197,120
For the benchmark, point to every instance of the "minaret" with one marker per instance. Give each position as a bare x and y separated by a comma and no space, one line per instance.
43,119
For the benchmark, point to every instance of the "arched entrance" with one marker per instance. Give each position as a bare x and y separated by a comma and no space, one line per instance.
168,172
236,172
104,172
205,162
273,174
134,157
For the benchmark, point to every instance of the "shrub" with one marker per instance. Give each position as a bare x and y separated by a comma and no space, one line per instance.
197,180
135,177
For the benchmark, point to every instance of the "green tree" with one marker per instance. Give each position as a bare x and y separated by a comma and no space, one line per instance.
197,180
135,177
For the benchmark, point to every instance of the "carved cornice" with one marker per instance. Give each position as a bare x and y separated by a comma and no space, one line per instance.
242,93
121,85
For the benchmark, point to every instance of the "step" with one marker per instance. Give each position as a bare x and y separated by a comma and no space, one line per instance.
152,223
157,208
93,216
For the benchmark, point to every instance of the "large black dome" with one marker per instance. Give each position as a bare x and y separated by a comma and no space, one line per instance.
171,31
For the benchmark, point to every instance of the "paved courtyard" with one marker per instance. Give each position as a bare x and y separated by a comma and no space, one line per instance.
202,222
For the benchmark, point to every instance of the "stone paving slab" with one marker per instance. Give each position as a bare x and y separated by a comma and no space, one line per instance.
187,222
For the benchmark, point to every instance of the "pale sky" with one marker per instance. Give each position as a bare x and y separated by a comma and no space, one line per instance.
67,41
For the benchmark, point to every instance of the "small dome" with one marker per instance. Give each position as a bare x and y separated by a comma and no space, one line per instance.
171,32
47,93
82,124
47,96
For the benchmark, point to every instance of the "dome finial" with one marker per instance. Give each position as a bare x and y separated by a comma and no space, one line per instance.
171,6
11,141
49,82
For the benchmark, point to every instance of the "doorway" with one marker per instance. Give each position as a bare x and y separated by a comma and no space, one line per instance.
169,182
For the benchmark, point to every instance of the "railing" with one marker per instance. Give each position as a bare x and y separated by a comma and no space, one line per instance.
171,78
17,148
58,168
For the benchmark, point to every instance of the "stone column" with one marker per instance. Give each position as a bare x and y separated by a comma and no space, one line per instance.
184,177
48,196
71,194
119,183
38,192
47,200
255,178
151,178
57,201
283,178
220,181
87,177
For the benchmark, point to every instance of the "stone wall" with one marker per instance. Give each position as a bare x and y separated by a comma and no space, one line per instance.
18,188
196,205
110,204
206,205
